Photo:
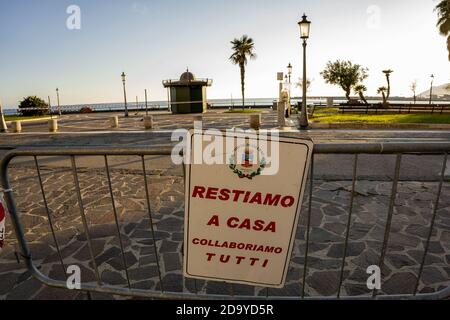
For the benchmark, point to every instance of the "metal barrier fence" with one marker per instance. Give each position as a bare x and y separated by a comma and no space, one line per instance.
397,149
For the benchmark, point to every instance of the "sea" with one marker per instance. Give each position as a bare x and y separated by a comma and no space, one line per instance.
214,103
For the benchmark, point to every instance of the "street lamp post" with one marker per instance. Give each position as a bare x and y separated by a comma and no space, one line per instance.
289,68
431,88
125,93
57,97
146,104
305,27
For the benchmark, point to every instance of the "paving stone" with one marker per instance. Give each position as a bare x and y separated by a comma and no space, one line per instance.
324,282
323,236
313,247
171,282
109,254
10,266
66,252
147,250
178,236
353,249
417,255
172,262
40,250
193,285
7,282
112,278
436,247
403,240
359,230
143,273
143,285
49,293
399,283
334,211
354,290
146,260
418,230
99,231
400,260
84,253
337,228
169,246
214,287
117,262
129,227
432,275
141,234
170,224
25,291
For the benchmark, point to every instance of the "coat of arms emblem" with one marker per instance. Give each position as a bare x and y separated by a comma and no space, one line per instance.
247,161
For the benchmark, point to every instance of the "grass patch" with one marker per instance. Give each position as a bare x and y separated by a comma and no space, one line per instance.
16,118
244,111
327,117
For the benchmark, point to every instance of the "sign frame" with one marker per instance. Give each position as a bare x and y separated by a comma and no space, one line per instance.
308,143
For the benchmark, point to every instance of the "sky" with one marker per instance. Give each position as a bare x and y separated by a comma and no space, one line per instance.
153,40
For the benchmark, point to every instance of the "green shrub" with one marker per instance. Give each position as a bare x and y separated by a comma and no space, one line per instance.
33,106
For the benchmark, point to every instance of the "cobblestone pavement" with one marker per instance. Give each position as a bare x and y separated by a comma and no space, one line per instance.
330,206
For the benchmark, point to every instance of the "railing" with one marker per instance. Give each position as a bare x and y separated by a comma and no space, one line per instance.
396,149
397,108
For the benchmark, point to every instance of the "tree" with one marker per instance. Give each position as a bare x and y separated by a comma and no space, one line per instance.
388,80
413,88
443,10
382,91
33,106
243,50
308,83
360,89
344,74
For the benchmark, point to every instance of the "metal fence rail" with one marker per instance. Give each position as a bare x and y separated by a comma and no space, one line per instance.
397,149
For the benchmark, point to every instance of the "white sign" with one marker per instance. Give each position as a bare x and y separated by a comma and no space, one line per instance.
241,217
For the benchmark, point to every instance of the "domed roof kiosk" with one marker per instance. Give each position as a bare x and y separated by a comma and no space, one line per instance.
188,94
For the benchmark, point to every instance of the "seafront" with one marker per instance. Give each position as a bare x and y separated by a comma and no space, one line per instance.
331,196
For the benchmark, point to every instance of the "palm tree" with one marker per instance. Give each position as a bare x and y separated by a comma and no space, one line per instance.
413,88
443,10
243,49
382,91
360,89
388,79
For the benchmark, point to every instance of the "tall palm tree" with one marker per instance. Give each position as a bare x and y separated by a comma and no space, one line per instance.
388,79
443,10
243,50
360,89
382,91
413,88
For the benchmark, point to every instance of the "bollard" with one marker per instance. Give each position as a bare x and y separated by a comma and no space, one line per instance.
255,121
198,122
148,122
330,103
53,125
17,126
114,121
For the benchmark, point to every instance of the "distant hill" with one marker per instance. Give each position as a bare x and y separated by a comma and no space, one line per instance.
439,91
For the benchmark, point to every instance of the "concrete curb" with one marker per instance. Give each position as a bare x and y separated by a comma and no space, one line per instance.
380,126
43,120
